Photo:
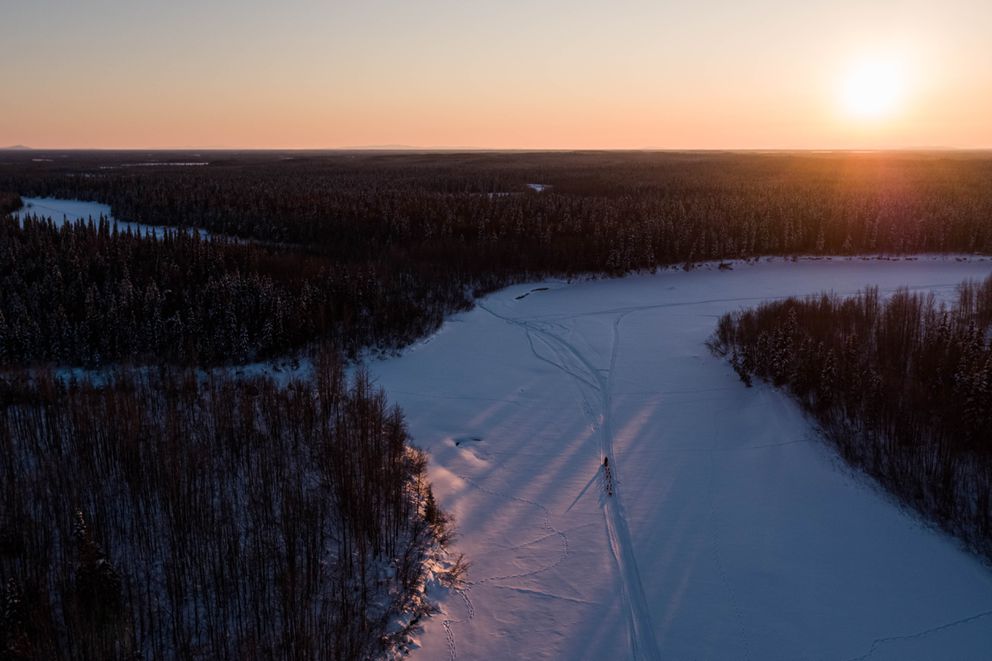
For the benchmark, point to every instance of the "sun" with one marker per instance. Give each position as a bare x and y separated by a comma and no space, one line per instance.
874,88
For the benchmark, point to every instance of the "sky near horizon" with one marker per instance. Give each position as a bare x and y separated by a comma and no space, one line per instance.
544,74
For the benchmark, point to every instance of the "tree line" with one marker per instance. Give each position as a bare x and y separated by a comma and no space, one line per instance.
610,212
166,514
89,294
373,250
902,387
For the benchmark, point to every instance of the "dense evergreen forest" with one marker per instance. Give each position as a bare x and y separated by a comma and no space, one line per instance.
162,516
902,387
88,294
372,250
9,202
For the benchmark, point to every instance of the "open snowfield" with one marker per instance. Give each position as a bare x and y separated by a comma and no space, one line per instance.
732,531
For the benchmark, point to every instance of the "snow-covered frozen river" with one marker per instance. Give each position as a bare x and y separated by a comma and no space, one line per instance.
61,211
732,531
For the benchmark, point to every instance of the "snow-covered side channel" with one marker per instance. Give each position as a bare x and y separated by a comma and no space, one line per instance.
731,531
61,211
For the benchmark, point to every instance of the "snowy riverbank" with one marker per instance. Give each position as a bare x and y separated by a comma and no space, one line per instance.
62,211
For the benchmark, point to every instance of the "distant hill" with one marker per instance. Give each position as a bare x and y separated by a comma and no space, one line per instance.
16,148
407,148
384,147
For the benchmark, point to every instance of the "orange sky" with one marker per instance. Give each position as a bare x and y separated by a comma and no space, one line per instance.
510,74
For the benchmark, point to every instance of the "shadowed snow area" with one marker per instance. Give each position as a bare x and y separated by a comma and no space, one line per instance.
731,531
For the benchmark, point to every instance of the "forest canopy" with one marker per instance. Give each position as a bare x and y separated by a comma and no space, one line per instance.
372,250
162,514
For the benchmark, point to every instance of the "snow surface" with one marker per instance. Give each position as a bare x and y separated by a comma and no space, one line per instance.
62,211
732,532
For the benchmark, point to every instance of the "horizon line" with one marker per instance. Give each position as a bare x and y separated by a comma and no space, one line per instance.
413,148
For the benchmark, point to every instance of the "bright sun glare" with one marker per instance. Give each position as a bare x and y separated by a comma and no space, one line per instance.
874,89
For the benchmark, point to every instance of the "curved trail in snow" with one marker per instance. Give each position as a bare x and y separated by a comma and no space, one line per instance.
644,644
641,635
595,391
731,534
